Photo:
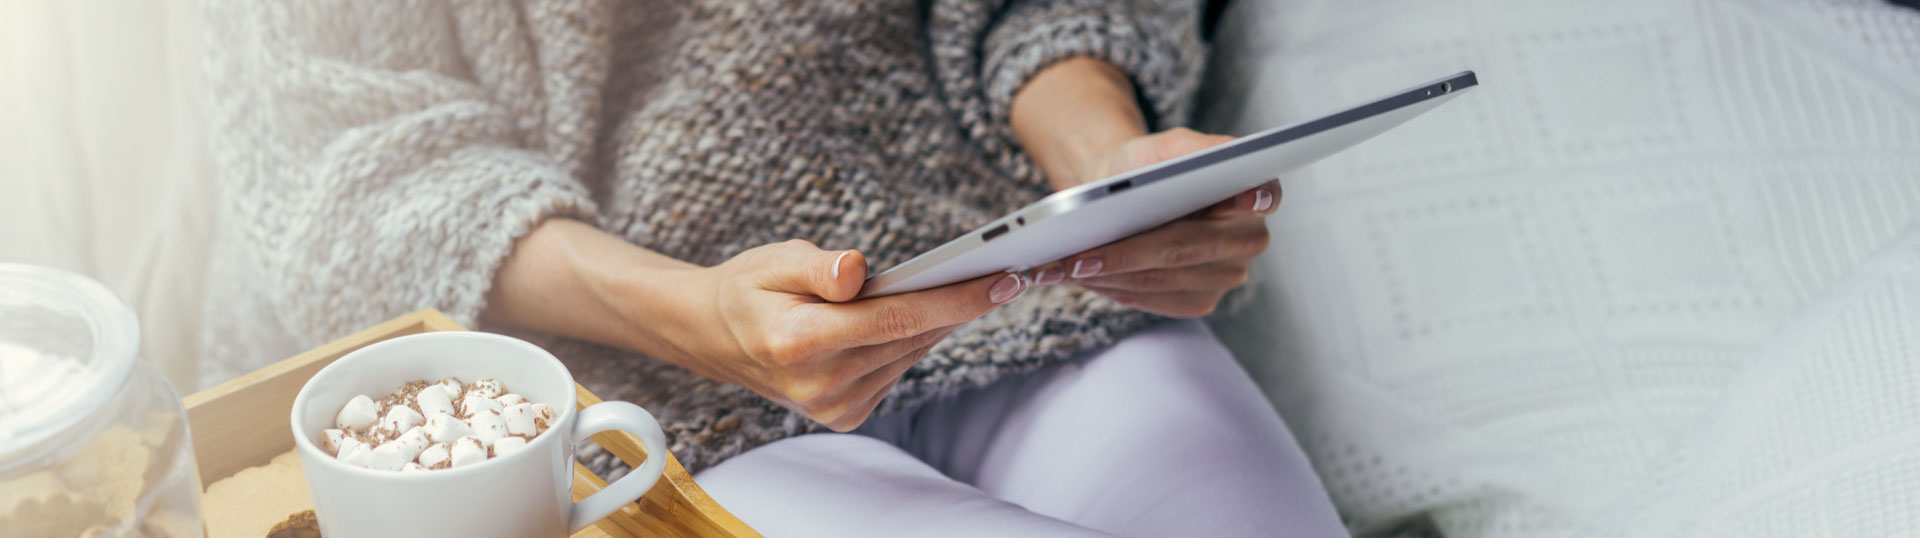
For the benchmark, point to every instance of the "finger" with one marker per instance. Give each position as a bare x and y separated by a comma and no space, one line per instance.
1050,274
799,267
1179,304
876,356
1224,275
1181,243
872,403
1256,202
894,317
891,377
1136,253
874,387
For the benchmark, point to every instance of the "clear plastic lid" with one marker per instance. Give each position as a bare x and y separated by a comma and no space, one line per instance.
66,343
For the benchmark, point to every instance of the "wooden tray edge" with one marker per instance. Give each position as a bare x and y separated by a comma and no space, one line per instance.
215,427
676,493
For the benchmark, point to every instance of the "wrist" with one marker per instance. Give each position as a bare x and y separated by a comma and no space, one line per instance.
571,279
631,292
1081,154
657,303
1073,113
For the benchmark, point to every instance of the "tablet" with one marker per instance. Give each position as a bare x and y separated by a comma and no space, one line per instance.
1087,216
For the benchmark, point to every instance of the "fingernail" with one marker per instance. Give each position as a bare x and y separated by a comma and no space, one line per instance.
1086,268
1006,289
1262,200
1049,276
836,263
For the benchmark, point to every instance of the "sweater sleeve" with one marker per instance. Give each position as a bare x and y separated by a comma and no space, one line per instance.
366,168
985,50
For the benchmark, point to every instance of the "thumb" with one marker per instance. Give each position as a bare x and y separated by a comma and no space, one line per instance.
801,268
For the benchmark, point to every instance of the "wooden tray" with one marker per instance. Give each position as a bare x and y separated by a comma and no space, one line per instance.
243,423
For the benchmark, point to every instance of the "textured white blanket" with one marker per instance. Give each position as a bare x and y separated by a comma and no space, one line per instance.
1522,314
1818,434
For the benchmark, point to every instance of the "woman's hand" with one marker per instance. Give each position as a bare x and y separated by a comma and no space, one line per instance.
1079,122
1184,267
778,319
784,329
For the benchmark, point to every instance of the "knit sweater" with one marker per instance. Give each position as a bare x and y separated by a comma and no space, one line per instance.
376,157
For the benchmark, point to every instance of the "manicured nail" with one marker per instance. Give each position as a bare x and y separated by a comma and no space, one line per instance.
1262,200
1006,289
836,263
1049,276
1086,268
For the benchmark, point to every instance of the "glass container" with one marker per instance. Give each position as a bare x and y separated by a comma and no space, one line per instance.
93,441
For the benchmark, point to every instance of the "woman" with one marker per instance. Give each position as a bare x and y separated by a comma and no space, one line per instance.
681,201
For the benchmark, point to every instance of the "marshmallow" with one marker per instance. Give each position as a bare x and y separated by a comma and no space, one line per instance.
434,456
434,399
346,446
475,403
446,429
389,456
544,415
414,441
508,446
451,385
425,427
357,414
468,451
358,456
519,419
488,387
400,418
333,438
488,427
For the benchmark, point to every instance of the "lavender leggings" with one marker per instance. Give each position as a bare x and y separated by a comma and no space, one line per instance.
1160,435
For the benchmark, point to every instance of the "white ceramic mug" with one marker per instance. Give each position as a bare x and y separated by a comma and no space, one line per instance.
525,494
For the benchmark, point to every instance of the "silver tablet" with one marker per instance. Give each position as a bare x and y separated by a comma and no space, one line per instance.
1087,216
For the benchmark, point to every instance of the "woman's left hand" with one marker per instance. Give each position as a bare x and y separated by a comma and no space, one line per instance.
1184,267
1079,122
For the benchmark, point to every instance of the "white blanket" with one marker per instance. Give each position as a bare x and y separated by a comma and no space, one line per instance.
1817,435
1512,314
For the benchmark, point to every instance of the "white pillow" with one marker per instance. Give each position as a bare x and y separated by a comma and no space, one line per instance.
1503,313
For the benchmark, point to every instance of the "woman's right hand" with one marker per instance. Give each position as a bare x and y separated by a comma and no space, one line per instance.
784,324
779,319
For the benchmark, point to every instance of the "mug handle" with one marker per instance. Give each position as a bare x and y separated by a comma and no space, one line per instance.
632,419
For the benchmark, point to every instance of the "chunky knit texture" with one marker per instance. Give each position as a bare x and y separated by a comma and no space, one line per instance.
377,157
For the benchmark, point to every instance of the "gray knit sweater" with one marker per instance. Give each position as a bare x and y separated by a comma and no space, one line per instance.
380,156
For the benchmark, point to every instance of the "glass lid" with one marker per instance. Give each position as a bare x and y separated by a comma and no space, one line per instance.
66,343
